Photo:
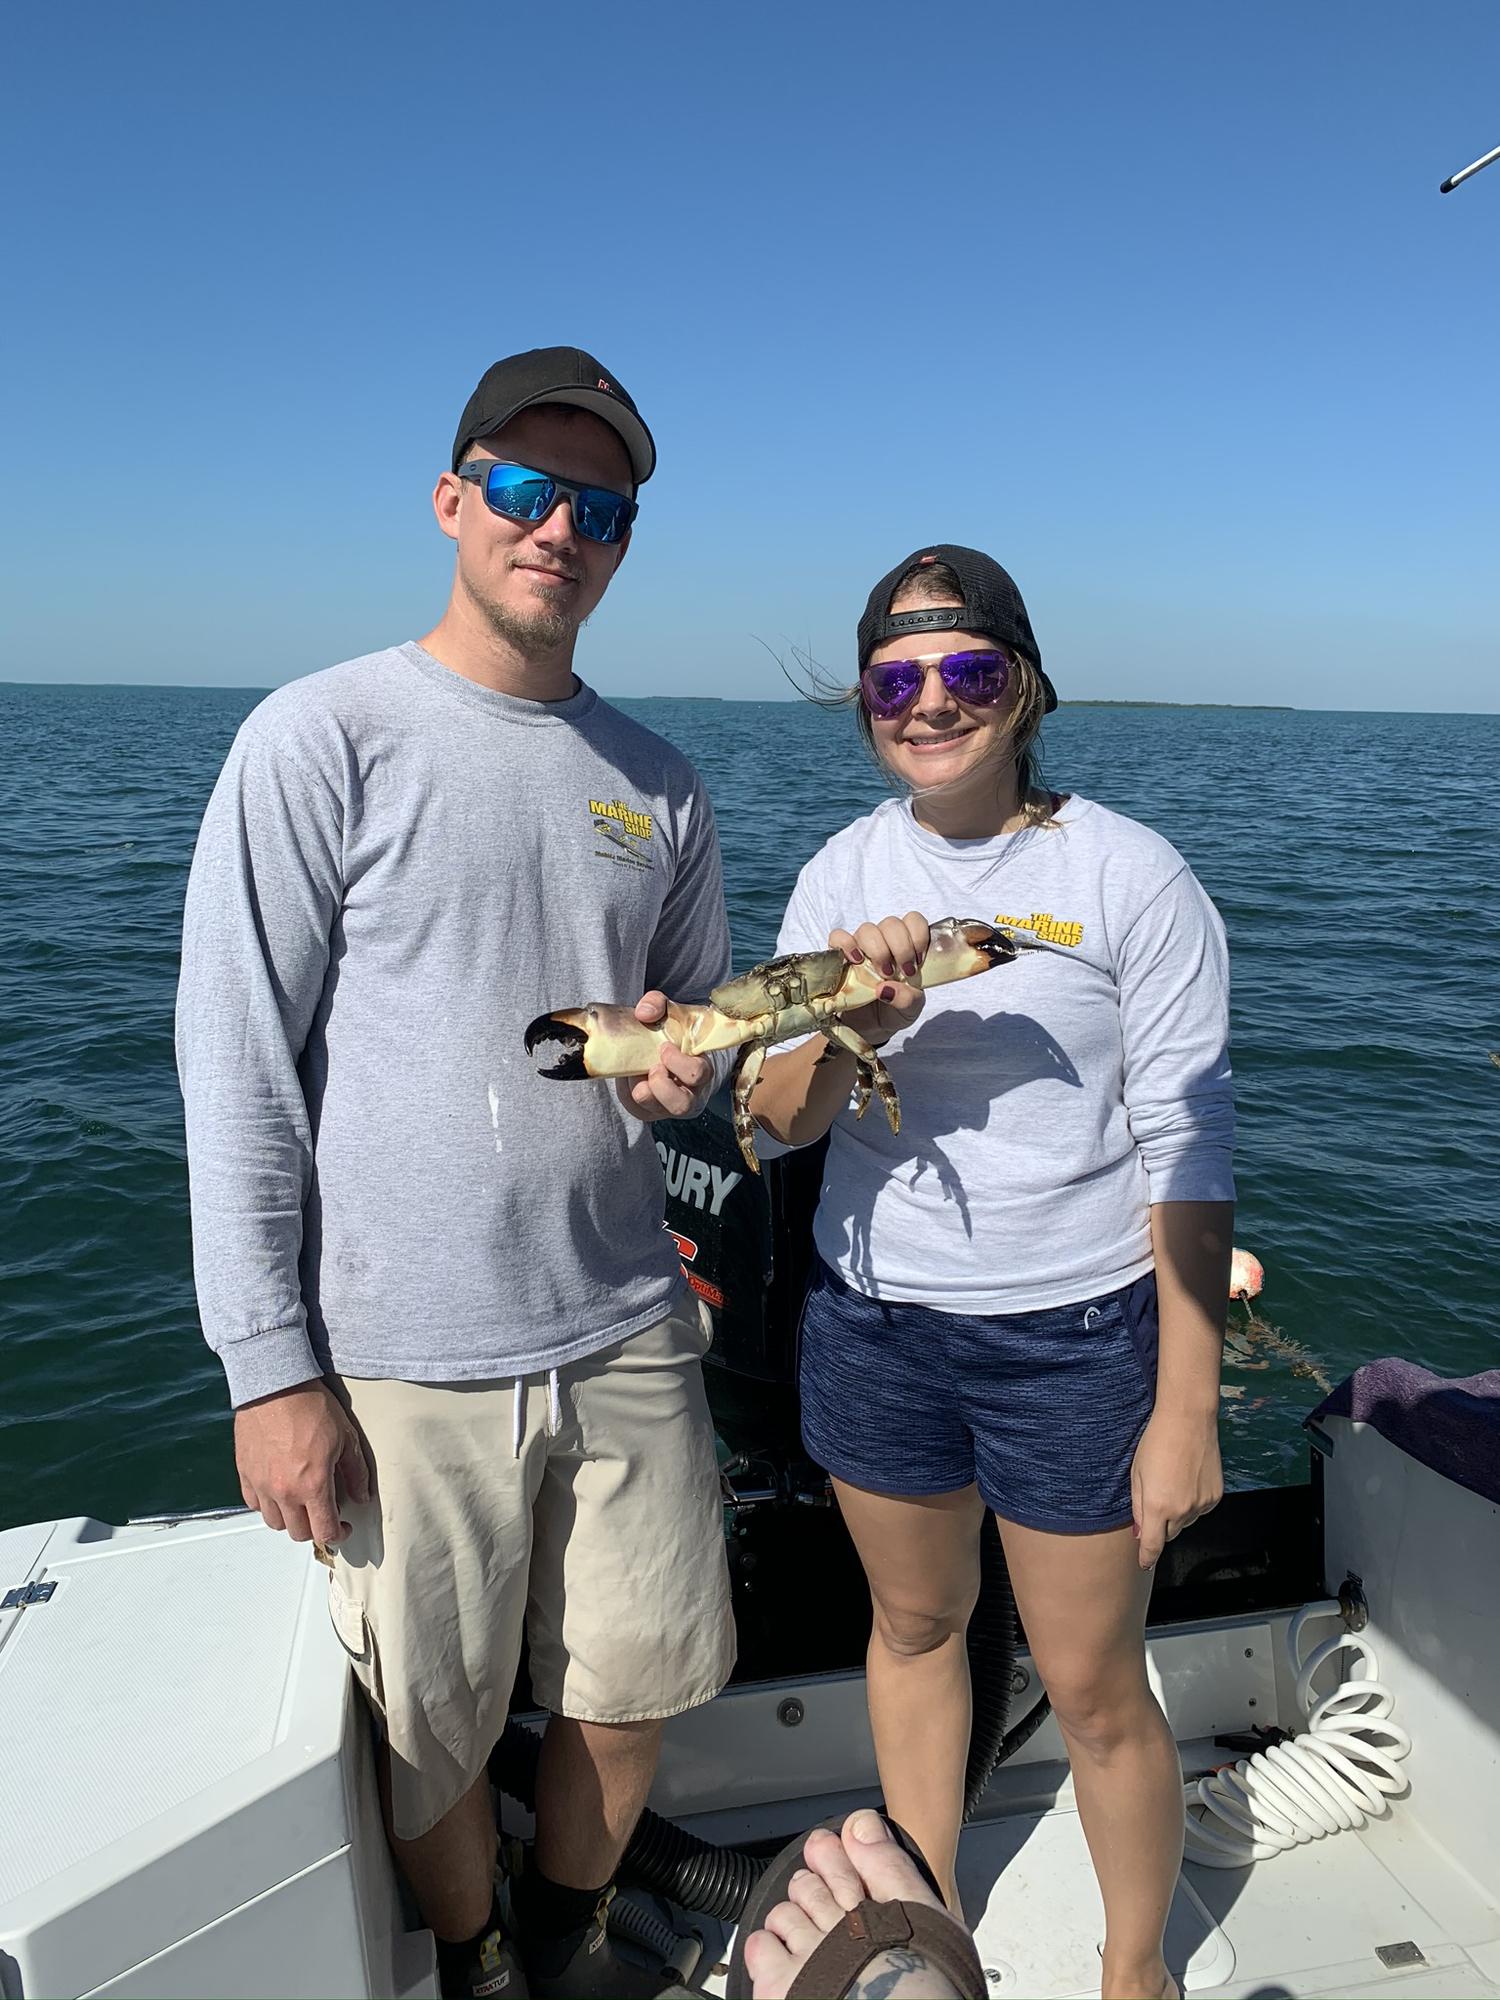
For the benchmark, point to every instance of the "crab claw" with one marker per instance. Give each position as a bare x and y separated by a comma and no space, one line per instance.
598,1040
994,946
960,947
556,1042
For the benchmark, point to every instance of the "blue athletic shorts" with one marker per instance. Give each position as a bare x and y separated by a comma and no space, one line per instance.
1041,1410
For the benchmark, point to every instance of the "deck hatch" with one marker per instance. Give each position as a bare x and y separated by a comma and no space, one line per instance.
27,1593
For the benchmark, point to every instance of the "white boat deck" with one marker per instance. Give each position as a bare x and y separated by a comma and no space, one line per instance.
1373,1912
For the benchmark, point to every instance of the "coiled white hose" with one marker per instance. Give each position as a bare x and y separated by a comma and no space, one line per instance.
1338,1773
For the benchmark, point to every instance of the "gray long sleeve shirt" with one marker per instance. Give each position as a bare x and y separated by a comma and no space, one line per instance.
397,871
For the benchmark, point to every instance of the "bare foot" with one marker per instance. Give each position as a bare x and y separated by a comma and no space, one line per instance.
842,1871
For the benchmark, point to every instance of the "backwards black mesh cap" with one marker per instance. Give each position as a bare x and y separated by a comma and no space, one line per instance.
991,605
554,375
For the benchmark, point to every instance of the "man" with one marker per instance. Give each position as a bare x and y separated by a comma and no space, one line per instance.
448,1312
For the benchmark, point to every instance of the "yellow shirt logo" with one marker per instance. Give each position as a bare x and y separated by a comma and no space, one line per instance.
637,824
1043,925
625,832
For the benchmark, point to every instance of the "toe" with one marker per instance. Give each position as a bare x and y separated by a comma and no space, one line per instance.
815,1899
889,1874
770,1965
828,1859
796,1929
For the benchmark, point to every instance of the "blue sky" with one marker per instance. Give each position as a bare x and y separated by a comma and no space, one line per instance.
1158,303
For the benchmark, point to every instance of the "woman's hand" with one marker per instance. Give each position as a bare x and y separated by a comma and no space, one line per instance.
895,947
1177,1474
1176,1477
802,1091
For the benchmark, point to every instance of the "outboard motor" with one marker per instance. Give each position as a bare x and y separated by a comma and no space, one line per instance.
800,1601
746,1246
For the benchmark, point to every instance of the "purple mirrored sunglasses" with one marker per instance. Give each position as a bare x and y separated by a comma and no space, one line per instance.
976,679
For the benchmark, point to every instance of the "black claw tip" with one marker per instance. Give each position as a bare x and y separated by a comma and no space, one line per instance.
997,949
556,1047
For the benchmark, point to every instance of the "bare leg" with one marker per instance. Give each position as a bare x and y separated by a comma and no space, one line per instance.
591,1784
921,1558
451,1867
1082,1599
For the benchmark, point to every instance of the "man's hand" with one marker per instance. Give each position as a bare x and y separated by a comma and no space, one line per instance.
678,1087
895,947
293,1451
1176,1477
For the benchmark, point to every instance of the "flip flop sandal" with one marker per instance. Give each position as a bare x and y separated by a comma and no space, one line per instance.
864,1934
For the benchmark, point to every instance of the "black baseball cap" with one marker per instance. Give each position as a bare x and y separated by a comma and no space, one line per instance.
991,605
554,375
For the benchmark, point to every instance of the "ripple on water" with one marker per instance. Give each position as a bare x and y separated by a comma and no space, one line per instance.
1366,954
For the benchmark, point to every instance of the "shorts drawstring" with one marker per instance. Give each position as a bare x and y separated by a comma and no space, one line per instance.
518,1410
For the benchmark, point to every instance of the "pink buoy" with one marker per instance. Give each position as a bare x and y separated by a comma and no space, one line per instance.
1246,1275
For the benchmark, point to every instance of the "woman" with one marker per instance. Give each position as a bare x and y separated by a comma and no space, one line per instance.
1021,1297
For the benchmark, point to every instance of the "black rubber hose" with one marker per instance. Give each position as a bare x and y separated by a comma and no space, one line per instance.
1025,1729
687,1870
661,1856
993,1640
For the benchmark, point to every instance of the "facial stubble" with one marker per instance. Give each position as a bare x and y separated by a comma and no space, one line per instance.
545,630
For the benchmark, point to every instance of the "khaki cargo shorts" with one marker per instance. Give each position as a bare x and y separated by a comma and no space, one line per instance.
600,1533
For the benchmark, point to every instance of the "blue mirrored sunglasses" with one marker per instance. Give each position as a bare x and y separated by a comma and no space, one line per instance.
521,493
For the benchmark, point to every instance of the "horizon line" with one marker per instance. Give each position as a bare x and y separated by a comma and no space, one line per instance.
1076,701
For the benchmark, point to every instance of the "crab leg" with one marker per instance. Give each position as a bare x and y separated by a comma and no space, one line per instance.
751,1063
861,1088
871,1071
834,1030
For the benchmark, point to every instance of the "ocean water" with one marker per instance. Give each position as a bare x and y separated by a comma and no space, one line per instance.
1354,858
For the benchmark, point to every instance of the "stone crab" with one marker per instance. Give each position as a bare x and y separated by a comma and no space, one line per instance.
807,992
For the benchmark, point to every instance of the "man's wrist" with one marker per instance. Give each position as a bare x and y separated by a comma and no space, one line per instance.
280,1395
263,1365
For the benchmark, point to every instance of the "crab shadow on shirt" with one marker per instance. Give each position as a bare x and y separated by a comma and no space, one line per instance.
996,1053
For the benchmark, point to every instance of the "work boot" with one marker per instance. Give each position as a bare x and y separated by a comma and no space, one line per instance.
487,1967
584,1965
